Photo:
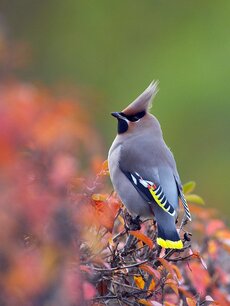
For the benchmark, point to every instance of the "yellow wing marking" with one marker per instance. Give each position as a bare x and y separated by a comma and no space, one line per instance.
157,200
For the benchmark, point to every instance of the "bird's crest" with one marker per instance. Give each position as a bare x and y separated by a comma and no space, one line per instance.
144,101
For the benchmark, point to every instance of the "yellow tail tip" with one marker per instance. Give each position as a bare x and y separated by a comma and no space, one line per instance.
169,244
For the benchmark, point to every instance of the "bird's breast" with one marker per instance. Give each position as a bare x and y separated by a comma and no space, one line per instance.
113,159
125,190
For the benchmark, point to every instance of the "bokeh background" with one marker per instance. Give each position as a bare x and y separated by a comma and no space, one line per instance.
109,51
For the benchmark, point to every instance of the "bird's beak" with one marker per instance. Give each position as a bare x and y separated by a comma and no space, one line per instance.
117,115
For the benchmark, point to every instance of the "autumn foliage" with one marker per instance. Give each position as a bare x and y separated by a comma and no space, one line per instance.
64,232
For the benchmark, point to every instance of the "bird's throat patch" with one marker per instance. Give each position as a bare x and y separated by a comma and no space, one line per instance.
122,126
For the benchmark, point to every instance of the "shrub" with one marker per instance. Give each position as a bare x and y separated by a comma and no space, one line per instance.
63,231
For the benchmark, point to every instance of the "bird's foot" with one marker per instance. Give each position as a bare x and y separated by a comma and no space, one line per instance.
187,236
132,224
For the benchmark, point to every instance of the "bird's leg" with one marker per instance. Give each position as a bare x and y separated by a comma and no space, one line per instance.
131,224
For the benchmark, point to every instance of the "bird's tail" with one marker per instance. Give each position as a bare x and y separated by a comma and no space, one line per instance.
168,239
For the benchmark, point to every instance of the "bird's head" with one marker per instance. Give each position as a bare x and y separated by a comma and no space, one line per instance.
136,115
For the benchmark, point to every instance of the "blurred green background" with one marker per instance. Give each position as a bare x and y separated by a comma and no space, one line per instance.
114,49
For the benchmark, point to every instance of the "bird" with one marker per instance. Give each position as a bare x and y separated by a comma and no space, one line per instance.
143,170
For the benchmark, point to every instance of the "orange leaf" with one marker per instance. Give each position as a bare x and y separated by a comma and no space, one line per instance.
185,292
152,285
213,248
150,270
121,220
226,247
209,299
172,284
105,168
99,197
223,234
145,302
168,304
220,297
106,209
103,214
190,301
143,238
166,265
140,283
177,272
201,212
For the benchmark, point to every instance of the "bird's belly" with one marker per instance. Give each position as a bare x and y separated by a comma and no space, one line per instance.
132,200
135,205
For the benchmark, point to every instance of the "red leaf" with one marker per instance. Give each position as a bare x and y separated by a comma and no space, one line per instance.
86,269
197,255
102,287
213,226
89,291
150,270
106,209
166,265
199,277
172,284
185,292
220,297
143,238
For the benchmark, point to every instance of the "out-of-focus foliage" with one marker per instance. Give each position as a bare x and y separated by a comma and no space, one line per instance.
42,140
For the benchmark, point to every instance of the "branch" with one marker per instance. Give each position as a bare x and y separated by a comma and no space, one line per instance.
120,268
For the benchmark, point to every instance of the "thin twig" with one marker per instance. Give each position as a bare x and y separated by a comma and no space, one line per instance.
120,268
106,297
180,258
119,235
130,287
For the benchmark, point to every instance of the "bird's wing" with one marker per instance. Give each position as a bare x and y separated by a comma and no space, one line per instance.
150,191
171,162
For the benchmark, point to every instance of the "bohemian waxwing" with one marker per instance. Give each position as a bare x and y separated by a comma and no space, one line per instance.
143,170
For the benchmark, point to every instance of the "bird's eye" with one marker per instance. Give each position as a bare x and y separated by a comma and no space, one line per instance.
135,119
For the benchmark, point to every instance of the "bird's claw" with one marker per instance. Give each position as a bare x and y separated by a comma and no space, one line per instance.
133,224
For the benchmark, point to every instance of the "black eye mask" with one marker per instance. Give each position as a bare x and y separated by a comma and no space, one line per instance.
134,117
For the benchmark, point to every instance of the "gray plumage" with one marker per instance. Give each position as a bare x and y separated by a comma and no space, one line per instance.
139,148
